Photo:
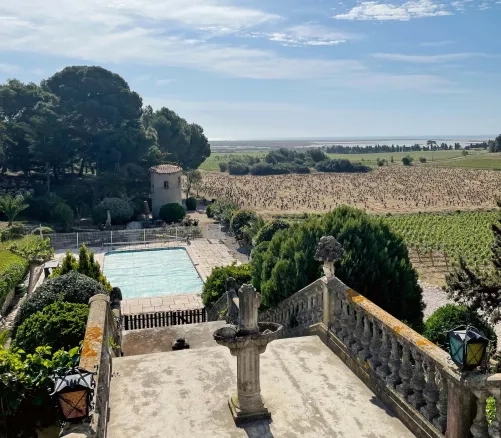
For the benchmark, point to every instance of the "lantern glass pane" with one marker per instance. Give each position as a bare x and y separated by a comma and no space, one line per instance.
474,353
456,349
73,404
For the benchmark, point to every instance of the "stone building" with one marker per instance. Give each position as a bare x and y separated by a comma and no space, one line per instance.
166,186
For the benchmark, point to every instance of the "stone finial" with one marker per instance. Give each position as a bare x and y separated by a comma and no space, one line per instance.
328,251
231,294
115,297
231,284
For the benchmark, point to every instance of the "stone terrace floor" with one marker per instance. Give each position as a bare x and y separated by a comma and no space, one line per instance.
205,254
310,392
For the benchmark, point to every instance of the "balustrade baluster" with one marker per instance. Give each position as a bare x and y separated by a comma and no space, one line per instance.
365,353
343,321
479,428
405,372
335,318
430,393
350,327
359,331
417,382
375,346
441,421
384,355
394,363
495,427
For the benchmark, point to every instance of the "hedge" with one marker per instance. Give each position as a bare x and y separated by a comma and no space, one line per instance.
172,212
121,211
215,285
12,271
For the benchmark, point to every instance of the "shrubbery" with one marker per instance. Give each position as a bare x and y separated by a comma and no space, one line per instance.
215,285
407,160
64,216
449,317
43,207
209,212
422,159
341,165
15,231
223,210
269,229
72,287
121,211
12,270
191,204
237,168
376,262
240,219
223,167
172,212
85,265
59,325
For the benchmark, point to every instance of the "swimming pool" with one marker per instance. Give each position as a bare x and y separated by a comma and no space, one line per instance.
152,273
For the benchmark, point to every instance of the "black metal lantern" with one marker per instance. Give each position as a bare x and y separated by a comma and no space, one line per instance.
74,391
468,346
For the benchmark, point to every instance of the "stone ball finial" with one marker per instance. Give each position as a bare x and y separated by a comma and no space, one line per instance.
115,297
329,250
231,284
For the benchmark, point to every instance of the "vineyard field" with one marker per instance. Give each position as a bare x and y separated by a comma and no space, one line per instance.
466,234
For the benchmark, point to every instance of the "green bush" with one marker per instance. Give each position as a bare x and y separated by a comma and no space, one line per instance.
215,285
12,271
191,204
209,212
223,210
121,211
375,264
223,167
59,325
449,317
240,219
85,265
44,230
43,207
407,160
72,287
64,216
268,231
172,212
15,231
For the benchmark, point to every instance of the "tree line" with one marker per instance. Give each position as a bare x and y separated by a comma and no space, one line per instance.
86,120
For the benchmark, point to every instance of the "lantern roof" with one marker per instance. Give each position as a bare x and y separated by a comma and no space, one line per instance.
82,379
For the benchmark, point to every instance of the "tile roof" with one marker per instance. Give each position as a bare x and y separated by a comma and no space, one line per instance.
165,168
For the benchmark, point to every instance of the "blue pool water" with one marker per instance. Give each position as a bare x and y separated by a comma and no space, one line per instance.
152,273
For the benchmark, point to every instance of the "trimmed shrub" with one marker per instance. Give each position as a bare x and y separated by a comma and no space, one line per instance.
12,271
172,212
209,212
341,165
375,263
191,204
72,287
223,210
223,167
60,325
85,265
15,231
121,211
407,161
240,219
237,168
64,216
449,317
268,231
215,285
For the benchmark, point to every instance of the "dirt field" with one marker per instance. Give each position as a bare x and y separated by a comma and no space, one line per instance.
387,189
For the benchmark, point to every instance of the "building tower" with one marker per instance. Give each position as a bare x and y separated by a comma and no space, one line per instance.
166,186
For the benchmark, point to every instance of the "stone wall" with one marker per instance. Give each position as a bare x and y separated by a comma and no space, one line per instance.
101,343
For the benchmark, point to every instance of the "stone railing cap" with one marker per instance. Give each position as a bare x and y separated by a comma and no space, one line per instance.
99,297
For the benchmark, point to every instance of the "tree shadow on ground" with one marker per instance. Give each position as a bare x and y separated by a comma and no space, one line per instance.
258,429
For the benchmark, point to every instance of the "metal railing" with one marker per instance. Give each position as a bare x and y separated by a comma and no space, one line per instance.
123,237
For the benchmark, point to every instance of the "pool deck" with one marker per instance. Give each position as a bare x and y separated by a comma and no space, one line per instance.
205,254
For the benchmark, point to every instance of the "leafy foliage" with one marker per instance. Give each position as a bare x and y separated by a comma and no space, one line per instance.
72,288
172,212
223,210
342,165
64,216
85,265
12,270
449,317
121,211
375,262
25,384
407,160
241,219
215,285
193,179
11,206
269,229
59,325
15,231
191,204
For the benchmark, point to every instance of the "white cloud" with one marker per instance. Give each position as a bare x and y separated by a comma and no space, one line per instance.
312,35
429,59
484,6
372,10
436,43
8,68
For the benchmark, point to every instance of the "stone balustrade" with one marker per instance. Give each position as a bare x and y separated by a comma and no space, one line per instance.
218,309
413,376
298,312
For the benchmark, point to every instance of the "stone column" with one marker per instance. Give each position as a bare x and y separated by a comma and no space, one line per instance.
460,410
248,382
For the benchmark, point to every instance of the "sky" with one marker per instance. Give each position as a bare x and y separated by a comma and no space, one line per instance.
258,69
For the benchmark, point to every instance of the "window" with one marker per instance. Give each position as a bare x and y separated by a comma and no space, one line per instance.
166,184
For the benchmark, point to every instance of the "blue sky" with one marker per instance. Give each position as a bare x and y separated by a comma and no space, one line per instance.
252,69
